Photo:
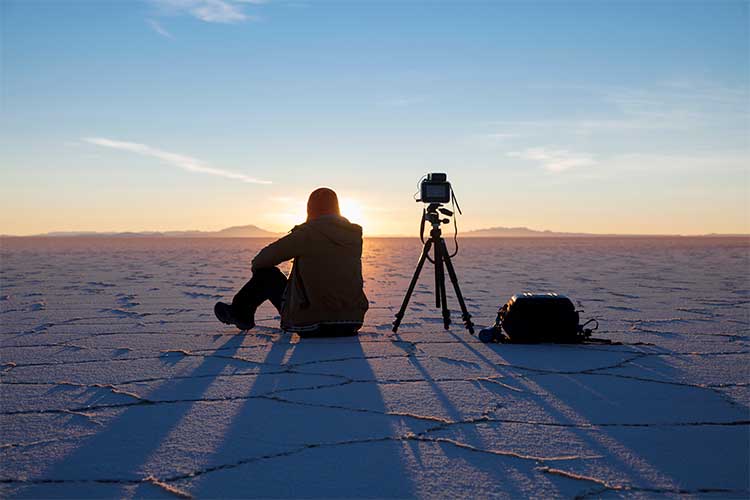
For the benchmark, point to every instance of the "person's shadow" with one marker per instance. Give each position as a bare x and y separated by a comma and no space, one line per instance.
120,450
321,451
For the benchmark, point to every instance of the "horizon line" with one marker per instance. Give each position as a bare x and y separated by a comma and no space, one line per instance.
273,234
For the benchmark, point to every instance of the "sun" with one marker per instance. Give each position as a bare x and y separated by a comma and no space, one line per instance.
352,210
296,212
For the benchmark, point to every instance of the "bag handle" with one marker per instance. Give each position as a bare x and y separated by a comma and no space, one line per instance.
586,332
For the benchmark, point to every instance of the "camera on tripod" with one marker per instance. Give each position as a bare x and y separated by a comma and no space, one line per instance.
435,188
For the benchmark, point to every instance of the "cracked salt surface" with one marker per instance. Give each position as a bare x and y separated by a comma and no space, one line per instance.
116,381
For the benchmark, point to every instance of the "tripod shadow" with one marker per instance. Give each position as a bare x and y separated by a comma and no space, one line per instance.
464,433
618,419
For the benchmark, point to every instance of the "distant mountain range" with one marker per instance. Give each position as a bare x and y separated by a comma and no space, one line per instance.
518,232
248,231
251,231
525,232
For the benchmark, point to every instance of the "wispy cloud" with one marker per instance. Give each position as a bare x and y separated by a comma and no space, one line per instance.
210,11
159,28
182,161
401,102
554,160
498,137
642,122
667,107
491,141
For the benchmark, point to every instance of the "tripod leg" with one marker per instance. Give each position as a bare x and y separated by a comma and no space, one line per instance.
438,282
422,258
440,273
454,279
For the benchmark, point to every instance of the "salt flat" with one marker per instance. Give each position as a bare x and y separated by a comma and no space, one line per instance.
117,381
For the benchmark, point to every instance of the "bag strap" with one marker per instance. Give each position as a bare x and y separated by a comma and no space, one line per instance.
583,333
587,331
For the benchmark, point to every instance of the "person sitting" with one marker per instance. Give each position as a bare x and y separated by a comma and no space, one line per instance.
323,295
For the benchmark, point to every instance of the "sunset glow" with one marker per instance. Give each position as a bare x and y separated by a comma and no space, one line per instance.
353,210
594,117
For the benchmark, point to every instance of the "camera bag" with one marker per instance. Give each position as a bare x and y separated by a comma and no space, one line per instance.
533,318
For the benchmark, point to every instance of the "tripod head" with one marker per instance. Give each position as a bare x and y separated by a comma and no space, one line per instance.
432,214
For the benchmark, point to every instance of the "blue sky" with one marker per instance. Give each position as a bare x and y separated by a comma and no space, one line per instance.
573,116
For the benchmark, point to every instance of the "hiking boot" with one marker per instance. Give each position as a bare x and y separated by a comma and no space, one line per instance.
224,314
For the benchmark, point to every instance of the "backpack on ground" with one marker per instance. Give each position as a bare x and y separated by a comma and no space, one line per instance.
529,318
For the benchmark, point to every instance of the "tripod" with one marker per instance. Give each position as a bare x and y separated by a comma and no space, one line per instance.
442,261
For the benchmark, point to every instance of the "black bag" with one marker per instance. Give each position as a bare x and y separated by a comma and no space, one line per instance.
529,318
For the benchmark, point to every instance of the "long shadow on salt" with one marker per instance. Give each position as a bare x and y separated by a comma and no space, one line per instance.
120,450
328,451
638,433
450,455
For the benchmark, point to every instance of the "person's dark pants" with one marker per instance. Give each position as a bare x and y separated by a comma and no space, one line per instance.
266,284
269,284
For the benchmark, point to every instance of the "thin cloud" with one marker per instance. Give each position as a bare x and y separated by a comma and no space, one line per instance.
210,11
669,106
554,160
642,122
499,136
159,28
182,161
401,102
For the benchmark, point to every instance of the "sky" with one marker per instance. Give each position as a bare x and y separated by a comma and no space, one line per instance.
601,117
